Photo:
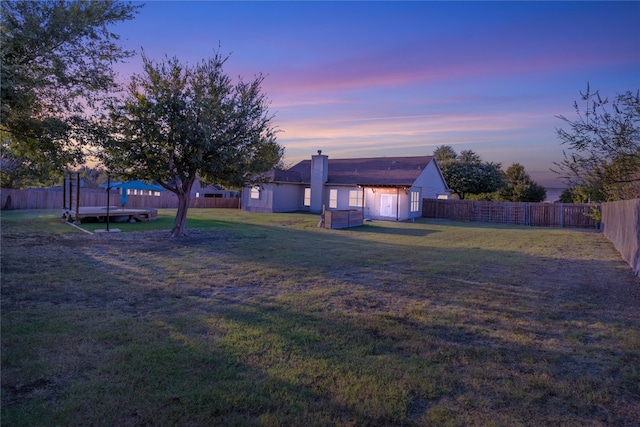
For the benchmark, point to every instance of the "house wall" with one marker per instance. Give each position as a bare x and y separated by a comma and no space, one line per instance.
288,198
263,204
343,197
274,198
397,204
432,182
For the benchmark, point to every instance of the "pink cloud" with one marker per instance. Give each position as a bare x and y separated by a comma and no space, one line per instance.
408,65
428,128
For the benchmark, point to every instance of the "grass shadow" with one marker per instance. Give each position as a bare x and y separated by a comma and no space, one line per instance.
388,228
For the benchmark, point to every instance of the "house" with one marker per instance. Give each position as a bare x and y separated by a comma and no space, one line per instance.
201,189
383,188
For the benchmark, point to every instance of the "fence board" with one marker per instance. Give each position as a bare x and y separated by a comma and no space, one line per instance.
516,213
45,198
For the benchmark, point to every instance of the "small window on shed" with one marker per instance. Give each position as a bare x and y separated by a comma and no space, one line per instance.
255,192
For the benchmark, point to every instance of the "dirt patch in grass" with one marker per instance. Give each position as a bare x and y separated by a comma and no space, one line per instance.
244,323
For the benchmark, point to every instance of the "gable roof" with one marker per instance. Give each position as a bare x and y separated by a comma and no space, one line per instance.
391,171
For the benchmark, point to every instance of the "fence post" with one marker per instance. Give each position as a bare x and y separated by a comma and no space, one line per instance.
78,198
561,216
70,192
108,198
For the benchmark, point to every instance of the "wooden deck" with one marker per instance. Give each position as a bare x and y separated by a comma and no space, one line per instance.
116,214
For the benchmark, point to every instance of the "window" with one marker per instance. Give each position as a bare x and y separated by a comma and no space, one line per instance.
333,198
255,192
307,197
355,198
415,201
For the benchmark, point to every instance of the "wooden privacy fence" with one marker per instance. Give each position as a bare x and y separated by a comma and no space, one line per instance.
45,198
621,225
517,213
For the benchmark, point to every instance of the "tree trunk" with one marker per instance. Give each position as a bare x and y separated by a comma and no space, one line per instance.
179,225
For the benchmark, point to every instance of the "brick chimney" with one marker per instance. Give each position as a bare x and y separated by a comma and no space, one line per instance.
319,170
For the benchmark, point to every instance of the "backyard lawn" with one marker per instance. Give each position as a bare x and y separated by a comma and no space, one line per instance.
265,319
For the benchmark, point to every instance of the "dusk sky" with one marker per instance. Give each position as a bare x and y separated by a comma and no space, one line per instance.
368,79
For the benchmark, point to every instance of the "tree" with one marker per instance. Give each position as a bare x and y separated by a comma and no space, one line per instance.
445,154
56,71
580,194
605,147
176,124
519,186
468,156
93,177
467,173
11,171
473,178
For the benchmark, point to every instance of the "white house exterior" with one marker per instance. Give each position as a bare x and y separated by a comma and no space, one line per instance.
383,188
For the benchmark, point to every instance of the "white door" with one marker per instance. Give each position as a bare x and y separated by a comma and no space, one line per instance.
388,205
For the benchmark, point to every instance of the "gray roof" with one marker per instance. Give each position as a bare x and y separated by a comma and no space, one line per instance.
391,171
279,175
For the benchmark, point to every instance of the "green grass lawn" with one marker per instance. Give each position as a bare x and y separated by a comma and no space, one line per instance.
265,319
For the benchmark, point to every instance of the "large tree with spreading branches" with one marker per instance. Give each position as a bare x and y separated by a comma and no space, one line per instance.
177,123
56,71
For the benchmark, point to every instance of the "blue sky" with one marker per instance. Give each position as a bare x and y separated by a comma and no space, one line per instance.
366,79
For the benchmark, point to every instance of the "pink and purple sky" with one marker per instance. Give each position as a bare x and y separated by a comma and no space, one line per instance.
368,79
